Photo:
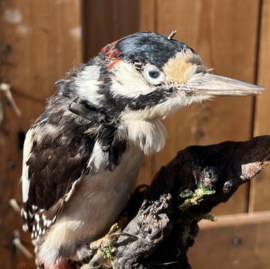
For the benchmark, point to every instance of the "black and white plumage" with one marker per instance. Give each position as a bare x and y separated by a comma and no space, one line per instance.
82,155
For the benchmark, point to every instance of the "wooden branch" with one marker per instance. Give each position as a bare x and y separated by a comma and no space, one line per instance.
182,193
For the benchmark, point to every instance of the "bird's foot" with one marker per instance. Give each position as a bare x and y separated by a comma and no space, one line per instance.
108,239
105,249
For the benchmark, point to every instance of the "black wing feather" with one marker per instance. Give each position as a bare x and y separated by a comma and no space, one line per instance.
61,148
63,138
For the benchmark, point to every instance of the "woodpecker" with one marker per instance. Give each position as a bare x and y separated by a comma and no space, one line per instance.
82,155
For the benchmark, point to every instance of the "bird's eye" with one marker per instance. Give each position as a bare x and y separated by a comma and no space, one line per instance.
152,74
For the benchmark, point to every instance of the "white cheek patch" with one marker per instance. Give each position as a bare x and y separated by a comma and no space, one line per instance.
128,81
87,84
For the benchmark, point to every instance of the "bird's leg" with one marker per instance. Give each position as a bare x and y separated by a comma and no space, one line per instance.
107,239
105,247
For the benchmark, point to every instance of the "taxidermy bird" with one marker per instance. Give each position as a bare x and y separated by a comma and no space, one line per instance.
84,152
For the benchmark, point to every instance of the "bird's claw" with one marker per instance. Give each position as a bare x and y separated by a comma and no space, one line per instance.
104,247
107,240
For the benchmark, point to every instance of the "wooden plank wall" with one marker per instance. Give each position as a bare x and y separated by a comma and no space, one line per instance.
45,40
259,194
239,241
39,41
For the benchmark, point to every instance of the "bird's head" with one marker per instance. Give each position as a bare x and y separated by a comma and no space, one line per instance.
146,76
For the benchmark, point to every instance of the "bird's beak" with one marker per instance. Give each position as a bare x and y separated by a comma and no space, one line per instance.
214,85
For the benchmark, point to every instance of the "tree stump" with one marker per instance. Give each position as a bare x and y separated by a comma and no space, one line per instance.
181,194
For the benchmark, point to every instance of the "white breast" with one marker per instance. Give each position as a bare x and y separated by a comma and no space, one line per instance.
94,206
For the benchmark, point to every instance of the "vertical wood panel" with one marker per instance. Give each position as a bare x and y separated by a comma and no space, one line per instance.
45,42
106,21
259,196
224,34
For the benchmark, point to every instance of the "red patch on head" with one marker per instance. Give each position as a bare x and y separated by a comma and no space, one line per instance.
115,61
111,53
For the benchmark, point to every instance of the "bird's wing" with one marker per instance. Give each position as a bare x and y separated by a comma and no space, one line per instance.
56,153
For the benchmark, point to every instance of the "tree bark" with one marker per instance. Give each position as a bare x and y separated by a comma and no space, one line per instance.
181,194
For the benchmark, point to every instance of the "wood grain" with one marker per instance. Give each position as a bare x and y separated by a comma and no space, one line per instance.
106,21
224,34
259,195
40,40
240,241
